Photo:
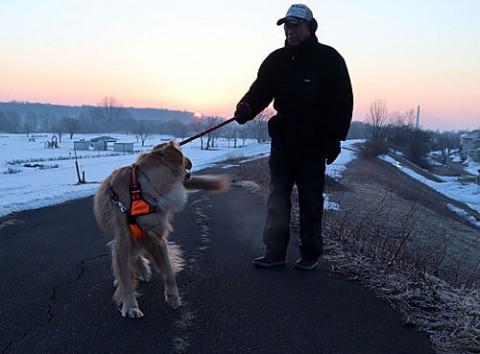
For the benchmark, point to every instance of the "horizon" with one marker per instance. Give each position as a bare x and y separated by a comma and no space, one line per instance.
441,126
202,57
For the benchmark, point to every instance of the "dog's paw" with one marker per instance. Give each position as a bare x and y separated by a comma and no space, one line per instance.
130,311
145,278
145,275
173,300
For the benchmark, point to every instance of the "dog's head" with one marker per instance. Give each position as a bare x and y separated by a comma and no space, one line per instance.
171,153
164,162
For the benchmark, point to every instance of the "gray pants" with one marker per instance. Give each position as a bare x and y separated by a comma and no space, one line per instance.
306,169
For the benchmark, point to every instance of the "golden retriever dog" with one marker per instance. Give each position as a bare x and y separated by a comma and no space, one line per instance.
134,206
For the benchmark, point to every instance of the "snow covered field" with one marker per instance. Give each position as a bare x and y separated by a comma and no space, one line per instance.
54,180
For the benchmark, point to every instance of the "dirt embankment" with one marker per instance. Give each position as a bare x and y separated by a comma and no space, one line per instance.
401,207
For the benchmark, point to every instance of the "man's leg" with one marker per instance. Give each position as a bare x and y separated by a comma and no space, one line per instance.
276,233
310,179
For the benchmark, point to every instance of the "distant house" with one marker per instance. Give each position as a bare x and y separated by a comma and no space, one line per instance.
470,146
81,145
123,147
101,142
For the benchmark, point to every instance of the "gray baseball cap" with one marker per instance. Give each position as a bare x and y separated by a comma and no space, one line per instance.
295,14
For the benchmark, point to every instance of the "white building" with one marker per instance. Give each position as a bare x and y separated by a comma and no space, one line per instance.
123,147
470,146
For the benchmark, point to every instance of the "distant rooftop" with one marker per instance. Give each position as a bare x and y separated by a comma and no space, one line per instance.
475,135
106,138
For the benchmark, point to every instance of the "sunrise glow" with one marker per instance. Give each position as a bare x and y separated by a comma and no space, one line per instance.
141,53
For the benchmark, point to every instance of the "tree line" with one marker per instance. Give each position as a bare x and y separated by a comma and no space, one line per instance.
382,129
385,131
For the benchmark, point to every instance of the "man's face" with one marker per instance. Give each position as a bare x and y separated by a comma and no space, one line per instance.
296,33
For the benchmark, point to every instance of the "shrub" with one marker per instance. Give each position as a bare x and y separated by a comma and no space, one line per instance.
12,171
373,148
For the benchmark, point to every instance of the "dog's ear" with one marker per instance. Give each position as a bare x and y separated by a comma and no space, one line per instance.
173,153
187,163
159,146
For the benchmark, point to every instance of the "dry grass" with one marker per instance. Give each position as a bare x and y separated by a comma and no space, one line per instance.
378,199
398,270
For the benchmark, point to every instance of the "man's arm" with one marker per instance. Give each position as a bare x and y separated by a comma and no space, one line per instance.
341,114
258,96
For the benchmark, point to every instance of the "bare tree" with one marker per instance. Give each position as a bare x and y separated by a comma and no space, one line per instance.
110,114
230,132
405,137
71,125
378,118
198,126
212,121
410,117
243,133
141,129
259,126
404,119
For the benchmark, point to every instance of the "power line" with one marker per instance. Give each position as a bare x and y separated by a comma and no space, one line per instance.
431,116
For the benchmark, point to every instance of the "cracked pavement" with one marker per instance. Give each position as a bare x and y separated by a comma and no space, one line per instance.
56,291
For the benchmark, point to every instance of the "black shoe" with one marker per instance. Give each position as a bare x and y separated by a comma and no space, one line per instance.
268,262
306,264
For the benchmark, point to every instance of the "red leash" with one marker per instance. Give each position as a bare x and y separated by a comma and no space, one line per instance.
215,127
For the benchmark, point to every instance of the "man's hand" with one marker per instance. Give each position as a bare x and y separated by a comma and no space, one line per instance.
332,150
243,113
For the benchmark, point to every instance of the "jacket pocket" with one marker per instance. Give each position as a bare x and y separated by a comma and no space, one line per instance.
274,127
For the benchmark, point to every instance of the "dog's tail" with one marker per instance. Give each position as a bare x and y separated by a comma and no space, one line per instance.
176,257
208,182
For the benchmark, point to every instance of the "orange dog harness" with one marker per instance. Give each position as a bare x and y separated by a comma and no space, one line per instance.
138,205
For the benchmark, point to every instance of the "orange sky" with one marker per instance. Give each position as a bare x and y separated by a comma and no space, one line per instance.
202,56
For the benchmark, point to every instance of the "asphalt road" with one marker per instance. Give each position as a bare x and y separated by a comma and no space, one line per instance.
56,291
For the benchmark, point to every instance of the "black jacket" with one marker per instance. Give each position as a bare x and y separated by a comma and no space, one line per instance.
312,94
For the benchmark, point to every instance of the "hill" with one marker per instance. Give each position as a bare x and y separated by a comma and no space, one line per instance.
24,109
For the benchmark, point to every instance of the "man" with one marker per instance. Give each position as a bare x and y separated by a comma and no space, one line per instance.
312,94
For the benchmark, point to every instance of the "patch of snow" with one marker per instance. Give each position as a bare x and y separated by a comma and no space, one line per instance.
468,193
464,214
456,158
433,162
348,154
472,167
329,205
